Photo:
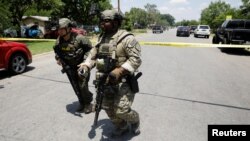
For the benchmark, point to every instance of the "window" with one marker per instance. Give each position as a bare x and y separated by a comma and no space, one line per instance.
225,23
235,24
247,26
204,27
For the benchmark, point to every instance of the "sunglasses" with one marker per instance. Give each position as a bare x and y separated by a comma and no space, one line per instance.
106,20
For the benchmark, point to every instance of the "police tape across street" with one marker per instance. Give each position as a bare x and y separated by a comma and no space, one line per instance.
28,39
166,44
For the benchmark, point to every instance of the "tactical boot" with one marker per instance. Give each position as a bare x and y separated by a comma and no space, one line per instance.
120,131
89,108
135,128
80,108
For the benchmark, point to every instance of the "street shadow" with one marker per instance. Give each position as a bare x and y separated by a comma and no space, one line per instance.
71,108
107,127
235,51
201,37
30,68
6,74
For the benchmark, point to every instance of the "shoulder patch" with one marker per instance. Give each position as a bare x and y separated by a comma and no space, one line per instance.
133,43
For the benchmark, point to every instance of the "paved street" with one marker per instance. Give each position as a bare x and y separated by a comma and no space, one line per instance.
182,91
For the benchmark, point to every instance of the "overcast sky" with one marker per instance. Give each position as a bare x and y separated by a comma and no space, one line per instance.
179,9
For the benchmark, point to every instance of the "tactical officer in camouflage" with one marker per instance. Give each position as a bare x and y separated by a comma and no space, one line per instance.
122,47
72,49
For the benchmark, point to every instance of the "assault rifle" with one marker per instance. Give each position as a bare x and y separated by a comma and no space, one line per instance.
72,76
100,84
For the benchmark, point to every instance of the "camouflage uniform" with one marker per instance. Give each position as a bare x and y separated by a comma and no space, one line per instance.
118,97
74,52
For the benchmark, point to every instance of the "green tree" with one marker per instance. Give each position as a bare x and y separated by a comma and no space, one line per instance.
44,12
169,18
137,16
127,23
183,23
4,17
153,14
216,13
17,8
78,10
194,22
245,9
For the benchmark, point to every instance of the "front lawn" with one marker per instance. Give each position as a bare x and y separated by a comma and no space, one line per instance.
40,47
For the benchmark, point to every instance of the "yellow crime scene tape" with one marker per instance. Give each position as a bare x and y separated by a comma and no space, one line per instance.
166,44
201,45
28,39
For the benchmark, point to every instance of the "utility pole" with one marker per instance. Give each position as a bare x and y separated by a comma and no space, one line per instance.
119,10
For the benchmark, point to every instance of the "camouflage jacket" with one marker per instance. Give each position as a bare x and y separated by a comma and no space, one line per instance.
127,48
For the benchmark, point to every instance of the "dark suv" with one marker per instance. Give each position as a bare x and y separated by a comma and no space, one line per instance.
192,28
236,31
183,31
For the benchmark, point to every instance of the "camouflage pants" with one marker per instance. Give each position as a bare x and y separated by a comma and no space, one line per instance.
117,103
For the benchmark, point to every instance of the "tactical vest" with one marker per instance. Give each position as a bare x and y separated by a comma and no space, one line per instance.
111,55
71,50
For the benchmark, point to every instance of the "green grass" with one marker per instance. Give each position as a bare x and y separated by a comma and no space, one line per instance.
139,31
40,47
37,47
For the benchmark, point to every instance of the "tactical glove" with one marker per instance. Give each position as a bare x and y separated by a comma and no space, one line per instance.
83,71
116,74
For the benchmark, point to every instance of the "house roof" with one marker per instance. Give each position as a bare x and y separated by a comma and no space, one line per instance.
41,18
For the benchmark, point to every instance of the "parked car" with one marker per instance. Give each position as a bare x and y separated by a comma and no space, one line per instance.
183,31
10,33
14,56
202,30
79,31
33,31
192,28
235,31
157,29
26,32
53,34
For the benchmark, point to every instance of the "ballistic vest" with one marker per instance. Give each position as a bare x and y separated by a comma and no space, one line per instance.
73,50
110,51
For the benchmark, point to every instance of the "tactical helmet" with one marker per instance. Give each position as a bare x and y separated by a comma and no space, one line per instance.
111,15
64,22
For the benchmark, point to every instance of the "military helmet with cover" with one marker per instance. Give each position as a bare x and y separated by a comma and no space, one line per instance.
112,15
64,23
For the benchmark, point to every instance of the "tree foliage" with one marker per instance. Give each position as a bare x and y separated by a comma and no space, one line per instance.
153,15
187,23
169,18
12,11
17,8
245,9
4,17
78,10
137,16
215,13
32,11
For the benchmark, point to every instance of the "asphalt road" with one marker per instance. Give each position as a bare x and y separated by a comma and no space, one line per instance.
182,91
